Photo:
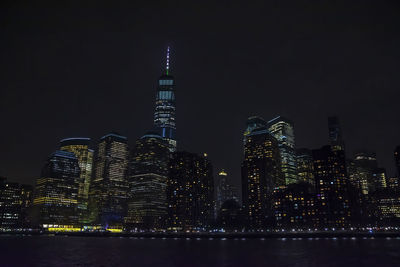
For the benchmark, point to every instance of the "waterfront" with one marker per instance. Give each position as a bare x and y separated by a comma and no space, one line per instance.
125,251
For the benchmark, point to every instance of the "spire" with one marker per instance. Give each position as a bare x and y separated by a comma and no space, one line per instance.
167,68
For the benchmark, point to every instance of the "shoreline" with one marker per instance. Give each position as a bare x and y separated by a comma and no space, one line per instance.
214,235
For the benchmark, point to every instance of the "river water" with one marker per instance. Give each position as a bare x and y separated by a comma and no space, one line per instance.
116,251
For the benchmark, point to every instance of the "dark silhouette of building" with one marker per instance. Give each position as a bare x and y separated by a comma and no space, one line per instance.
80,147
335,134
261,173
397,159
190,192
109,187
331,187
148,171
295,206
283,130
56,192
164,115
230,216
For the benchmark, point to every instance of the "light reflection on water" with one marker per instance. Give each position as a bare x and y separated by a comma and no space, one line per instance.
99,251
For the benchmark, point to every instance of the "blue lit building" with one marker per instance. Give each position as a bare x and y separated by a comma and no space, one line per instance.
56,192
164,114
109,187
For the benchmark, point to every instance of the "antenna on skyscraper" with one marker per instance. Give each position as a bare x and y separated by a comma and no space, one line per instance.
167,68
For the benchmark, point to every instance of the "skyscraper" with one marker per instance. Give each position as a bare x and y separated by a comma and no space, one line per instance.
109,187
261,173
283,130
56,193
80,147
253,122
332,187
335,134
361,171
305,166
190,192
148,171
164,115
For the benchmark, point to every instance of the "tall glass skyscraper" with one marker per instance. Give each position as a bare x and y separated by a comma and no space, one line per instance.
56,192
164,115
80,147
261,173
148,171
283,130
305,166
109,187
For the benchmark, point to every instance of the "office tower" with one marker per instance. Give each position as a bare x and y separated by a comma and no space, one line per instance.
14,200
387,202
261,173
305,166
360,171
283,130
358,193
364,173
190,192
253,122
80,147
109,187
295,206
148,171
331,187
164,115
397,159
56,191
225,190
379,179
335,134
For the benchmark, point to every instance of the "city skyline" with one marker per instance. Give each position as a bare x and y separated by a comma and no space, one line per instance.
213,102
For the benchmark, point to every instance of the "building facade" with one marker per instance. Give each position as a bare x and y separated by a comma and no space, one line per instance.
15,199
109,187
283,130
331,187
190,192
164,115
80,147
148,172
295,206
261,173
56,192
305,166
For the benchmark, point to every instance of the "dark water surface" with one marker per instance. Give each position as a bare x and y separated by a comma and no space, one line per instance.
115,251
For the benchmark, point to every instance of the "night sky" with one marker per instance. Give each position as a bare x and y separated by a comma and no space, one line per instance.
68,72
